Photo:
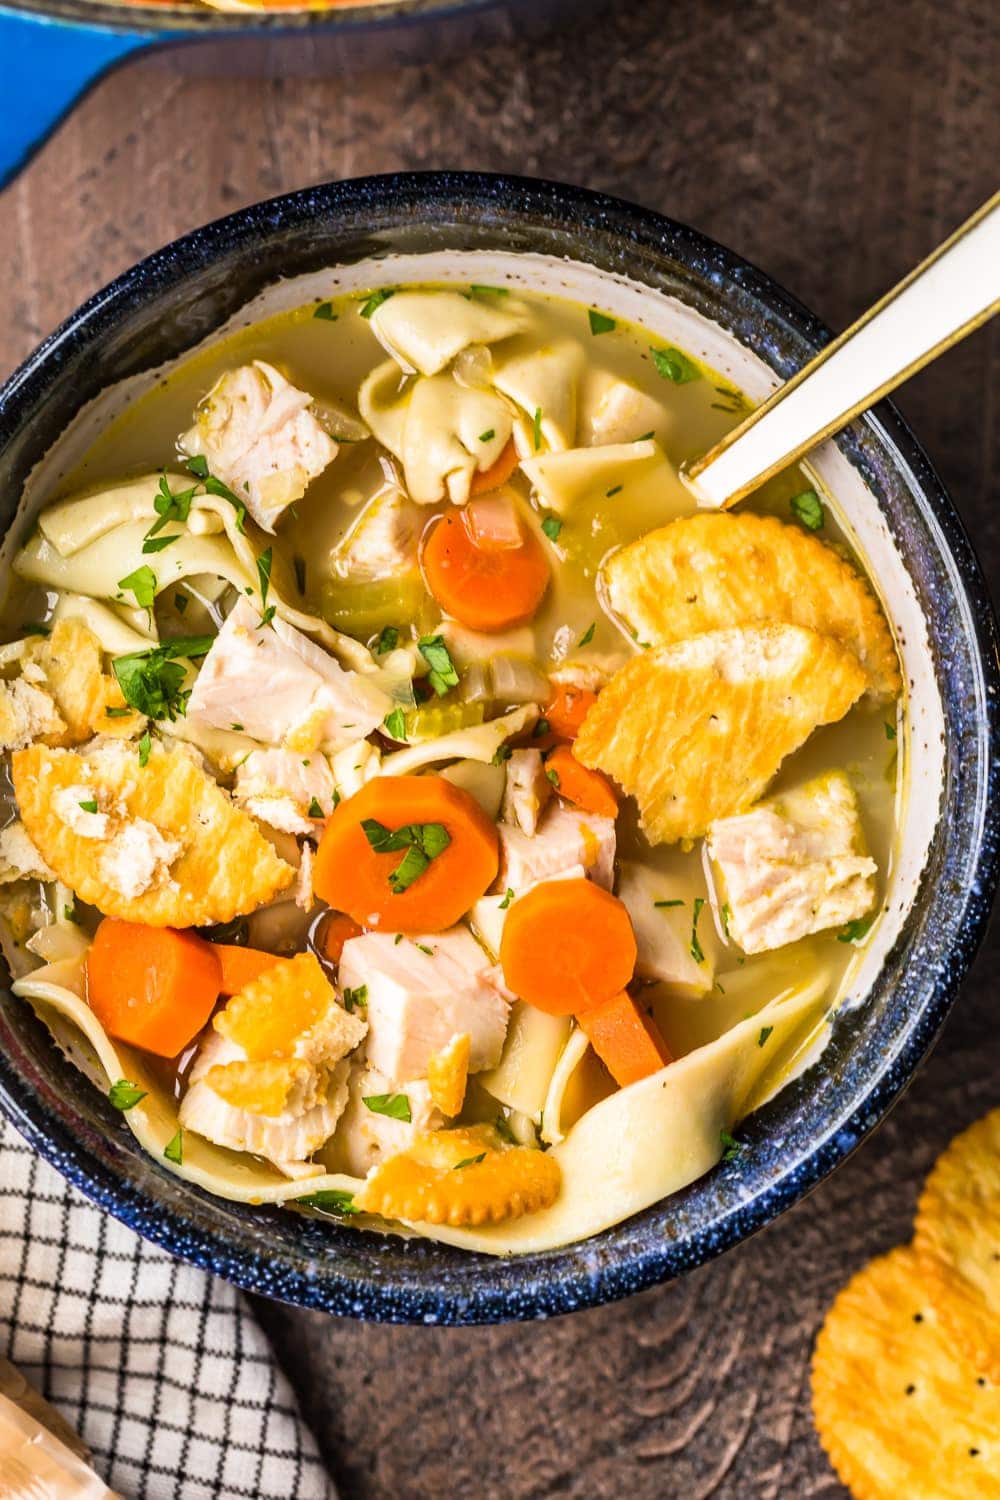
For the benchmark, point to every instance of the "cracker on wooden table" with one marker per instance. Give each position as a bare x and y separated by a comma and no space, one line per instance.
711,572
226,867
901,1415
696,730
461,1177
957,1242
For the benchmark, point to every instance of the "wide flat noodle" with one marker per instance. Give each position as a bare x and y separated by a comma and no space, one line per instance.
226,868
696,731
647,1141
708,572
957,1242
900,1414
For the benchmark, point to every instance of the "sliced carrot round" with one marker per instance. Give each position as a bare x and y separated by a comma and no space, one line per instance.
567,945
589,790
241,966
486,585
497,474
626,1039
567,709
151,986
356,877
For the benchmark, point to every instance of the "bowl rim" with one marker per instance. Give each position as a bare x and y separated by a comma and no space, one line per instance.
183,22
598,1279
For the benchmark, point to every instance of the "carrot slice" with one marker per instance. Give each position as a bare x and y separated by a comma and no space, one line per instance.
627,1041
486,586
567,709
590,790
497,474
241,966
567,945
151,986
337,929
354,876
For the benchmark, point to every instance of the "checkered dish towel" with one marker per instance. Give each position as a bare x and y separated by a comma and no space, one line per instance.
162,1369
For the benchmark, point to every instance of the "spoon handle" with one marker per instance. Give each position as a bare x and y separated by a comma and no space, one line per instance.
952,292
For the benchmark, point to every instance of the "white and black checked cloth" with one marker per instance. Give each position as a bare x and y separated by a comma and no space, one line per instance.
162,1369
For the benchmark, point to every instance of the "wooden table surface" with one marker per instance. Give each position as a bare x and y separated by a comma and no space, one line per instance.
834,145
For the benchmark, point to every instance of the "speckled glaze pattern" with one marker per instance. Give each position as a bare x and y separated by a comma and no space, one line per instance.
181,294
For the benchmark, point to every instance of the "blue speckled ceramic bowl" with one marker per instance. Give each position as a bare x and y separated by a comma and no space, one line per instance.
610,253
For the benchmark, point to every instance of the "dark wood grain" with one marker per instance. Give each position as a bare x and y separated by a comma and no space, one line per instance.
834,145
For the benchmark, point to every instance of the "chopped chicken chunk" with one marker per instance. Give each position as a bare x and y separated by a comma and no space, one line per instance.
26,713
383,540
366,1136
19,859
271,1077
258,435
662,921
420,993
527,790
277,686
564,838
287,791
793,865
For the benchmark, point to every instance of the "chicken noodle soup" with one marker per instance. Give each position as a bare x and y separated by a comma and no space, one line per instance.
417,812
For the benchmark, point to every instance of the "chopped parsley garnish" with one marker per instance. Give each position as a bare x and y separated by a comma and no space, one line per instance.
145,745
180,603
502,1127
264,579
542,727
553,776
536,430
600,322
725,916
388,640
69,913
299,564
488,435
395,723
435,653
158,543
174,1149
675,902
372,304
489,291
508,898
315,811
397,939
356,998
696,950
765,1032
198,466
117,713
396,1106
168,507
808,508
421,841
552,526
90,805
330,1201
469,1161
142,584
325,311
152,682
424,949
673,365
588,635
890,731
644,437
124,1095
502,753
855,931
730,1145
615,489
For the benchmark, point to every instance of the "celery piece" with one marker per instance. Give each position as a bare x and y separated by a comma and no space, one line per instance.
363,608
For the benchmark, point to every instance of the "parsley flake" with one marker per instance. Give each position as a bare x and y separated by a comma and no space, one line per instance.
673,365
553,776
388,640
372,305
469,1161
395,1106
765,1032
542,727
324,311
435,653
890,731
731,1146
421,842
615,489
488,435
600,322
536,429
142,584
552,526
357,998
502,753
808,508
145,745
489,291
90,806
124,1095
152,682
508,898
174,1150
329,1201
264,576
664,904
395,724
588,635
725,916
696,950
855,931
315,811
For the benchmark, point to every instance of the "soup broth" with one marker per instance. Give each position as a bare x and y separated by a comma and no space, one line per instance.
442,504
